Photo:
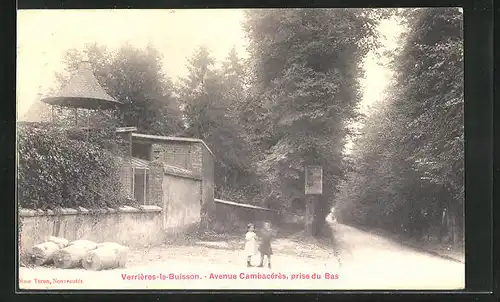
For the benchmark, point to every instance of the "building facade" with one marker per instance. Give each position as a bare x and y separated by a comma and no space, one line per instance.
174,173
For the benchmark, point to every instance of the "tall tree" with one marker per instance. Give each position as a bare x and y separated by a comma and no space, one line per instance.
208,95
199,93
434,124
410,157
234,76
306,70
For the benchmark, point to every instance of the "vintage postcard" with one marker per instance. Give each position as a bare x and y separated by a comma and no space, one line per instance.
256,149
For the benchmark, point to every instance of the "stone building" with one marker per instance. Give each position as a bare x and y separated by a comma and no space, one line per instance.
174,173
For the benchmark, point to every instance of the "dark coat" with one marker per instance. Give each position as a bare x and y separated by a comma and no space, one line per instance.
265,242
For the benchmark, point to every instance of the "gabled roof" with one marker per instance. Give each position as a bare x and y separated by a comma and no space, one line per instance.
172,139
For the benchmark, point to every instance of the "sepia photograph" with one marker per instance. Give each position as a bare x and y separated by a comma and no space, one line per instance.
240,149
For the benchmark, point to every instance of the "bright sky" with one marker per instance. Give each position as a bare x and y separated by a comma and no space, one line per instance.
44,36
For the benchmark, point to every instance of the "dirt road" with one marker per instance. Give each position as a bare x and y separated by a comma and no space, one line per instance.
370,262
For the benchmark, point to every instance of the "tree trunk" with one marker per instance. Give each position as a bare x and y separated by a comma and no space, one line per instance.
311,201
454,224
322,210
461,226
460,222
453,228
443,229
450,225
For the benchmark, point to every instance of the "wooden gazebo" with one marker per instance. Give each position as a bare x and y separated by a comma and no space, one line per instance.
83,91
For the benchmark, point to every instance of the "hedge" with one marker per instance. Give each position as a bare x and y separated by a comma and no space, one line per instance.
57,169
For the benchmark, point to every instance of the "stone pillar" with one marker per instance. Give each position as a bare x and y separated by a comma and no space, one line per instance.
126,176
155,190
196,157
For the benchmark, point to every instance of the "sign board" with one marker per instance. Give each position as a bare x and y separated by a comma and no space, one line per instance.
314,180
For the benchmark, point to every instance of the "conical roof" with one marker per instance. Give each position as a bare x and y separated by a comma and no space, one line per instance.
83,91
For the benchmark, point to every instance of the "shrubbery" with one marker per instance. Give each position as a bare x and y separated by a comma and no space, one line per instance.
56,171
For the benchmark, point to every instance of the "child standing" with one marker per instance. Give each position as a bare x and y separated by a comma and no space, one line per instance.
251,243
265,244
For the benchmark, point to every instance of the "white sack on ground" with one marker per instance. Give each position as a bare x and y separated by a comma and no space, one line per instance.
42,253
101,258
72,255
121,250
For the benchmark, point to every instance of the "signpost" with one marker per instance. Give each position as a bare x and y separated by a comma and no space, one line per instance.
314,180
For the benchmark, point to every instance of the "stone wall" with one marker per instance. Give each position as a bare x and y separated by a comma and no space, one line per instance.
179,154
178,192
233,217
133,227
182,204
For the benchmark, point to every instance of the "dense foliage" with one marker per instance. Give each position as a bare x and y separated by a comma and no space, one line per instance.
306,66
209,97
135,78
409,174
56,171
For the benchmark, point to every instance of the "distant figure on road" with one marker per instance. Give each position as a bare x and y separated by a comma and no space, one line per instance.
330,218
332,221
251,243
265,249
